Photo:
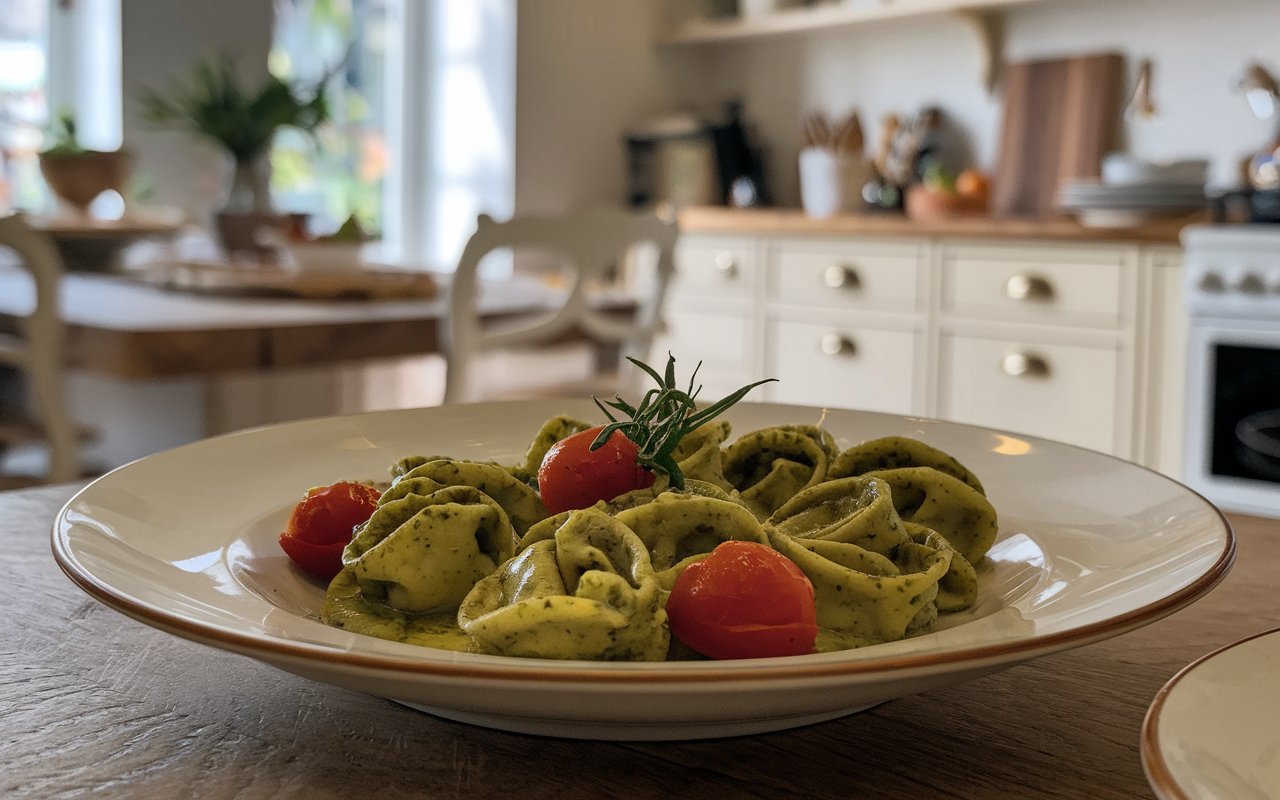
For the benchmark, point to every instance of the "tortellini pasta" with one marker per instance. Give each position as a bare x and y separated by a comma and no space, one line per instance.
769,466
587,592
463,554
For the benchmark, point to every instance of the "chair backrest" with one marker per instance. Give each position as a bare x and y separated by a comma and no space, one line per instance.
589,244
37,349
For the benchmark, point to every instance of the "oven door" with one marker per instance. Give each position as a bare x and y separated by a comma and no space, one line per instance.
1233,415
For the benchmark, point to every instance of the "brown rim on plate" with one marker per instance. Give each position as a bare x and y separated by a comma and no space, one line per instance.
729,671
1158,773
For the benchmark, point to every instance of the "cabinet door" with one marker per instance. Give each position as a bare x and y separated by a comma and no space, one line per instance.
1063,392
720,340
715,266
841,367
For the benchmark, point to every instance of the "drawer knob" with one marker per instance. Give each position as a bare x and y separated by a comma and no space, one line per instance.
1251,283
1024,365
727,264
834,344
839,276
1028,287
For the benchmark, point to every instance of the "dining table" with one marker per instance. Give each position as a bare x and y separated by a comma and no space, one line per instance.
130,326
205,358
96,704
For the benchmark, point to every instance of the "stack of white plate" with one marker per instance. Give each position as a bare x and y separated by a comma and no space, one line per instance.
1132,192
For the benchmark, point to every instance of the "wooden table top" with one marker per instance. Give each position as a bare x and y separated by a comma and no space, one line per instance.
95,704
794,222
129,330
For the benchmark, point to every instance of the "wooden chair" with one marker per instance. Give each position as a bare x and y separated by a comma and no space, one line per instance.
35,349
590,244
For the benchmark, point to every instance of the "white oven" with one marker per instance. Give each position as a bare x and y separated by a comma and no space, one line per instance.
1232,288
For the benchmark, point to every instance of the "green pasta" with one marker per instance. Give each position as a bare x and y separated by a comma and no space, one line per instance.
587,593
463,554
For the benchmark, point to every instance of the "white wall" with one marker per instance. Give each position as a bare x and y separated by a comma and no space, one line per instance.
586,71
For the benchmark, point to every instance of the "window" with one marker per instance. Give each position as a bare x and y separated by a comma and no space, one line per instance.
23,101
423,117
83,80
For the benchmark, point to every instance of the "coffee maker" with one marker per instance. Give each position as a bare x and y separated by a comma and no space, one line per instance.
682,160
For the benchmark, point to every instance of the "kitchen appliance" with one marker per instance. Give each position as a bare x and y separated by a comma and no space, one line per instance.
671,160
681,160
1232,291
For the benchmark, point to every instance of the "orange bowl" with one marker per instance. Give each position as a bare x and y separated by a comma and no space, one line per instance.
923,202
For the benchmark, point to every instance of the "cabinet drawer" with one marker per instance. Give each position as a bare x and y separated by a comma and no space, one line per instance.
828,365
714,267
1029,286
885,278
1062,392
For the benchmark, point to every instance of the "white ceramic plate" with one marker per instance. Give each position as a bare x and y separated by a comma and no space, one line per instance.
1090,547
1211,731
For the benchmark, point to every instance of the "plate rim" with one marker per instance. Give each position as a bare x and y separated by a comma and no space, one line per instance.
1157,769
455,665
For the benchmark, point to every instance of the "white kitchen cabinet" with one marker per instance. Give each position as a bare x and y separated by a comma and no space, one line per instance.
1076,286
844,322
1067,392
841,364
1040,340
711,314
882,277
1076,341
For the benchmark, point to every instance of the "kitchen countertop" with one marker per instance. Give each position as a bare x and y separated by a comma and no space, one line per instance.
794,222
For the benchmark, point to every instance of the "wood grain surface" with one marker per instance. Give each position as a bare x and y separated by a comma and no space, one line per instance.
93,704
129,330
790,221
1059,118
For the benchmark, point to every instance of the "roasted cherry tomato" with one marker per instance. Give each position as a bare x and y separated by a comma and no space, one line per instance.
744,600
321,525
573,475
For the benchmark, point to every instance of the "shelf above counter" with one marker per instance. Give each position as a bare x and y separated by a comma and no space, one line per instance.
820,16
791,221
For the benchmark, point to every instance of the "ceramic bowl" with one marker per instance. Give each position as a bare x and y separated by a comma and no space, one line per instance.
1124,169
322,255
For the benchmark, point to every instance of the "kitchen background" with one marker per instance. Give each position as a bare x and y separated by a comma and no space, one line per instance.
1199,52
589,71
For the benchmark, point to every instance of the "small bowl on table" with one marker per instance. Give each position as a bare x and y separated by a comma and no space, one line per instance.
322,255
314,254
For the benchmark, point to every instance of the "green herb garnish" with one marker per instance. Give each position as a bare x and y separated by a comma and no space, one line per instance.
663,418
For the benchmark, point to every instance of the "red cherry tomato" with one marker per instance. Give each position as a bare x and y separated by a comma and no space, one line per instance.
744,600
573,475
321,526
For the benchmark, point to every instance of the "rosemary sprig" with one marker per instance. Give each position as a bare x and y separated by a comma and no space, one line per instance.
664,416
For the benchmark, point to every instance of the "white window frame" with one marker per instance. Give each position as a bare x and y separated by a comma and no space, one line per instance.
416,222
86,75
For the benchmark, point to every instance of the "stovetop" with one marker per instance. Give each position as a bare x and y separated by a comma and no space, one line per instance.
1232,271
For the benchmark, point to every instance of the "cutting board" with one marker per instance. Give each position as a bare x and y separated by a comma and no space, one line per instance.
1060,117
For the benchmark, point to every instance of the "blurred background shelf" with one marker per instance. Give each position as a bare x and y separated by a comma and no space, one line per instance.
814,17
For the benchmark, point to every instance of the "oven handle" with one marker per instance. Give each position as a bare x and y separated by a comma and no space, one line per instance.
1251,432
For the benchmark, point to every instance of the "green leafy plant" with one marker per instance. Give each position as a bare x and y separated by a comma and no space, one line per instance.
665,415
214,104
62,136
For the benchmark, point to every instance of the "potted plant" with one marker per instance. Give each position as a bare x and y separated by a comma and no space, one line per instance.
76,175
219,108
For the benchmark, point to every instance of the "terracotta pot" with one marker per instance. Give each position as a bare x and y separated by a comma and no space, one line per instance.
923,203
77,178
238,231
